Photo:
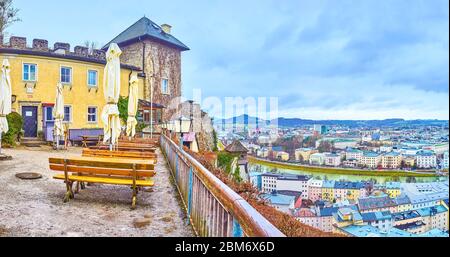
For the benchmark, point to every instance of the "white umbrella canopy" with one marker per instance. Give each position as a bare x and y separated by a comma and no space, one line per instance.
132,106
5,97
111,87
58,112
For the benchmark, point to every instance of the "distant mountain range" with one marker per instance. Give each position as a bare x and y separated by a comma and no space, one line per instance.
296,122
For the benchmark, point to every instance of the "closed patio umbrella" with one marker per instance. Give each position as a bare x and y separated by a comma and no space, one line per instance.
111,87
132,106
58,114
5,98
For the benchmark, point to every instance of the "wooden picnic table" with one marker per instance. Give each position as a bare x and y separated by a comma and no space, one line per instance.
86,139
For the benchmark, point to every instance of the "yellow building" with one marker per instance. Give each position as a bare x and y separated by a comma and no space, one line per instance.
328,190
393,189
393,192
346,217
283,156
403,204
303,154
36,72
353,194
391,160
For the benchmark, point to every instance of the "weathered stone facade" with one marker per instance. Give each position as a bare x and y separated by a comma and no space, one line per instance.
18,42
158,62
63,46
40,45
201,125
81,51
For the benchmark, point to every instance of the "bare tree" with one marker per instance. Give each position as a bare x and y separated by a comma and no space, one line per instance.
325,146
8,15
91,45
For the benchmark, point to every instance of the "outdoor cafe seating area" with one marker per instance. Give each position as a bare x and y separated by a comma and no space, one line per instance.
131,163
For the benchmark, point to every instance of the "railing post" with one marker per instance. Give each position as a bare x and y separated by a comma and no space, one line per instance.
176,167
237,229
189,203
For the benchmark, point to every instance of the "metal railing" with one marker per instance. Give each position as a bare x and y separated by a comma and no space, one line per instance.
213,209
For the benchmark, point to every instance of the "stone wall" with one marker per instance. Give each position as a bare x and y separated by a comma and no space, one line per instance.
41,45
64,46
18,42
161,62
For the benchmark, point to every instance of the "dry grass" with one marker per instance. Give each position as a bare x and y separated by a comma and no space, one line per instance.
287,224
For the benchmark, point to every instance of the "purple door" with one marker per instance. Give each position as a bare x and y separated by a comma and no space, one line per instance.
29,114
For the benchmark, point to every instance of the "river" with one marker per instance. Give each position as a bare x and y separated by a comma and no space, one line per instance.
253,167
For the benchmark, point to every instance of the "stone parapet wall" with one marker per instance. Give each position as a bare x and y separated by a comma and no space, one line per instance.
42,45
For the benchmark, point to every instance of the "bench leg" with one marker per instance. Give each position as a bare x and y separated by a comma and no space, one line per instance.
77,188
69,193
134,199
67,197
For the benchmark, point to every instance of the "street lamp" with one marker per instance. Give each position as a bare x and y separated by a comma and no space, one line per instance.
170,125
183,125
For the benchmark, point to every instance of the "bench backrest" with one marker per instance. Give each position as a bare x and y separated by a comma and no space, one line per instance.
102,166
124,154
140,140
125,148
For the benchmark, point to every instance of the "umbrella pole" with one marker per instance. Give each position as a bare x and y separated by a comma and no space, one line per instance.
110,142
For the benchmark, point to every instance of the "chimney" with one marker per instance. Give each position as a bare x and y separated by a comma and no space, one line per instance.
166,28
40,45
18,42
61,46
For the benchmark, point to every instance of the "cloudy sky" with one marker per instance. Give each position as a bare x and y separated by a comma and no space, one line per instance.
322,59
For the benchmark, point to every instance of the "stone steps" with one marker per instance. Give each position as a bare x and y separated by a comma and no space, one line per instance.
32,142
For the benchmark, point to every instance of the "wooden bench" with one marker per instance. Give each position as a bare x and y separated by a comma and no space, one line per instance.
142,145
153,141
134,173
125,148
119,154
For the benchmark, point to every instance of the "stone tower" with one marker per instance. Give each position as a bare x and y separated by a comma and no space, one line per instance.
153,48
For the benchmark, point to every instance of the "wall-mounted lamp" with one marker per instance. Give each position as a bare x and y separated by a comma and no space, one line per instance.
13,98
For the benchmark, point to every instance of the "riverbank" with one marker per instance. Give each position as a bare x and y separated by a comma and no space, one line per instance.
341,171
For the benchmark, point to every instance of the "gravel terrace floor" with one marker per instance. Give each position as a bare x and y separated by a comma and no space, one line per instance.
36,208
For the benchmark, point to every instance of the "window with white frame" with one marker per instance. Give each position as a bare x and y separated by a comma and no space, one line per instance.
67,113
165,86
92,78
66,75
29,72
92,114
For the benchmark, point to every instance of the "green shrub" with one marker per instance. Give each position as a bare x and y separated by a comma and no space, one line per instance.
237,174
224,161
123,108
215,149
15,123
140,127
